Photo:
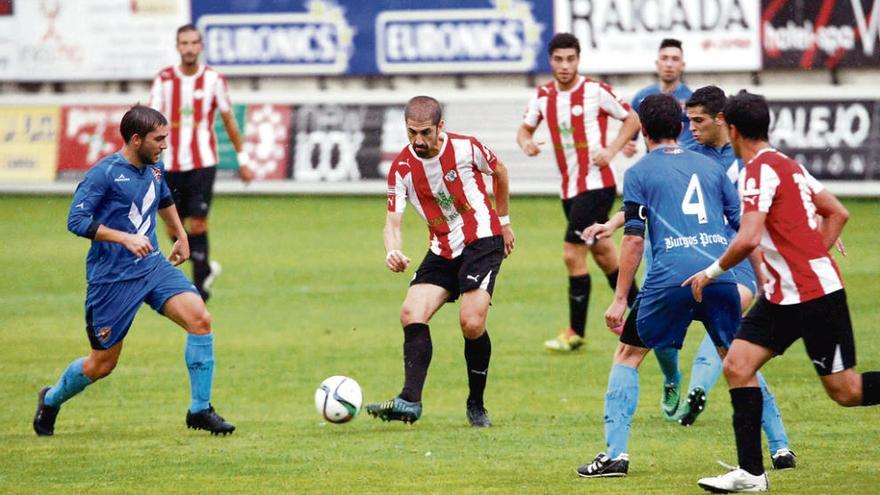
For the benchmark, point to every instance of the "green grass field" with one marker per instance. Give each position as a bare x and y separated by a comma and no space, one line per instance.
305,295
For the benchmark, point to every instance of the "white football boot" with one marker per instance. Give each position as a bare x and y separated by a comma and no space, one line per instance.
736,481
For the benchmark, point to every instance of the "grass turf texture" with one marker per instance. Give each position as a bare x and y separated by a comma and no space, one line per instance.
304,295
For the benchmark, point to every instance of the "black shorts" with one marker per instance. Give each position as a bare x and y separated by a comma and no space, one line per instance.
192,191
823,323
476,268
585,209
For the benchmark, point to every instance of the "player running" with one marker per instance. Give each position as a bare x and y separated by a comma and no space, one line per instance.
115,206
441,174
686,201
803,295
576,110
189,94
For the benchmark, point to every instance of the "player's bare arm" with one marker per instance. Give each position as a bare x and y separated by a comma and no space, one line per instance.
834,216
501,188
395,260
525,139
180,250
139,245
603,230
603,156
244,169
748,238
630,256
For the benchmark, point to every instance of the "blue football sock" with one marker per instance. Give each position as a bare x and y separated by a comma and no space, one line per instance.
668,361
621,400
707,366
200,362
771,420
72,382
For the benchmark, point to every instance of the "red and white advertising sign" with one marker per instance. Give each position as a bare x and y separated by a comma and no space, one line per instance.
88,133
267,139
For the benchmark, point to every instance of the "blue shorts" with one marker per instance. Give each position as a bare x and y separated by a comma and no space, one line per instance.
745,275
660,317
111,307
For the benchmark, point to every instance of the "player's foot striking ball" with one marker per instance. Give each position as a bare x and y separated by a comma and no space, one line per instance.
209,420
396,409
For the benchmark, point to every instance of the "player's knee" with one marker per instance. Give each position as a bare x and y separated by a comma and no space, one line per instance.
472,326
97,369
200,323
845,395
408,316
735,370
573,260
198,226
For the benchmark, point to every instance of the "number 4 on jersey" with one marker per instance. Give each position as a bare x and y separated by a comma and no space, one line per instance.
691,207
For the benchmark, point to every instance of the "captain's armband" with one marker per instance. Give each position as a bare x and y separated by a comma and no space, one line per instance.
635,218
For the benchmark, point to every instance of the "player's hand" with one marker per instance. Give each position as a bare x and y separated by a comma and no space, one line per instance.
629,149
838,245
179,252
509,238
246,174
614,314
532,148
138,245
602,157
595,232
396,261
698,282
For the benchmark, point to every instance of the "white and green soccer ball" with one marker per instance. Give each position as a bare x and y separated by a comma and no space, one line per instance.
339,399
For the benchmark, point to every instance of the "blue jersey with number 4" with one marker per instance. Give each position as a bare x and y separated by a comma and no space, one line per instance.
685,199
118,195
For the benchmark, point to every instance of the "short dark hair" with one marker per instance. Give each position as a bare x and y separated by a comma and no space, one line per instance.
750,114
186,28
667,42
661,117
422,108
564,40
711,98
140,120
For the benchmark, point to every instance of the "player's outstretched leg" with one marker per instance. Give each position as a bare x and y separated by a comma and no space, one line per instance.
417,352
477,353
49,400
669,403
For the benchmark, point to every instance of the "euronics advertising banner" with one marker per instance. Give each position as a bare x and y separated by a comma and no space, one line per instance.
622,36
45,40
821,33
357,37
28,143
834,139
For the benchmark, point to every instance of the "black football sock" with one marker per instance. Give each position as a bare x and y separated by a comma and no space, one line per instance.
633,289
578,298
198,249
417,351
748,404
477,353
871,388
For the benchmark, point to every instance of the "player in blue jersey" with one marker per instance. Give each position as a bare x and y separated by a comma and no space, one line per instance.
115,206
686,201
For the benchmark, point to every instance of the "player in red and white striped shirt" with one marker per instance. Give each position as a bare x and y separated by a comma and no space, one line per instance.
577,110
441,175
188,95
795,221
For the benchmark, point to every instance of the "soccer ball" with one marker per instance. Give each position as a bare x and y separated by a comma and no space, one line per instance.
339,399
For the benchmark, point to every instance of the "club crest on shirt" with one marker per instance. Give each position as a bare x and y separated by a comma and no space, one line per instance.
450,176
157,174
577,110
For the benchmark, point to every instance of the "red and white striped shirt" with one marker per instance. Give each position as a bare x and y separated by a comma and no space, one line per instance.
798,265
189,102
448,191
578,124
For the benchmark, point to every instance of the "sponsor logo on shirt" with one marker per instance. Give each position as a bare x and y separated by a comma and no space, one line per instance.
121,178
577,110
451,176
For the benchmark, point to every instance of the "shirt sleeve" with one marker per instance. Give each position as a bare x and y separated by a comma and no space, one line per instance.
533,115
484,158
634,200
221,95
166,199
813,183
156,94
397,190
758,186
611,104
730,201
88,195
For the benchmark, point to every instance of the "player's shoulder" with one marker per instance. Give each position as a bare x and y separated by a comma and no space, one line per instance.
594,84
104,168
166,73
545,89
212,71
462,137
647,91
